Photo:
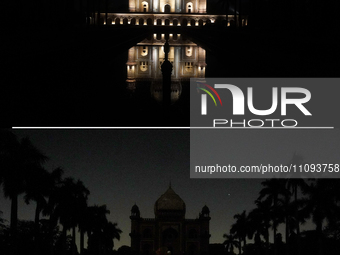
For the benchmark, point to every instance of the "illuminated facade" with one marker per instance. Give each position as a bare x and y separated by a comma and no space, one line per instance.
165,13
169,232
145,60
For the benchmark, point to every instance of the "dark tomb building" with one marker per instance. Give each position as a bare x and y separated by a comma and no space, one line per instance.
170,231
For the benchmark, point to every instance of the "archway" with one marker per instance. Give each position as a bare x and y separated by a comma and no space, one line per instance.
167,22
184,22
192,22
159,22
167,8
149,21
141,22
170,240
133,21
175,22
200,23
125,21
189,7
145,7
117,21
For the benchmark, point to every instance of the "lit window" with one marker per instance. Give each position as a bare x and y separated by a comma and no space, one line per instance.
188,51
143,66
144,51
189,66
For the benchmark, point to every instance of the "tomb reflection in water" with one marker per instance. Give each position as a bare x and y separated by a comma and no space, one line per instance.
146,58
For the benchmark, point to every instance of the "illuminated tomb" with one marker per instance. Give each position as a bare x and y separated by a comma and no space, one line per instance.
164,13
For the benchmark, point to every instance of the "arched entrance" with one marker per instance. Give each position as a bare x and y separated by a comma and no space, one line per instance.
167,22
175,22
189,7
192,22
184,22
141,22
145,7
167,8
170,239
159,22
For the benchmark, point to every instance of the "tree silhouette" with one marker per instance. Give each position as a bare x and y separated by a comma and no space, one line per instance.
100,231
240,228
230,243
19,160
321,205
294,184
272,191
259,221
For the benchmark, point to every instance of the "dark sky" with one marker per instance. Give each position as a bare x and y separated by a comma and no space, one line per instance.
121,167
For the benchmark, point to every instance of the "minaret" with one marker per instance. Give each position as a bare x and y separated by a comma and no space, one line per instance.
205,235
135,235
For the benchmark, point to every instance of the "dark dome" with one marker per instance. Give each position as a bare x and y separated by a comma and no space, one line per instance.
205,210
169,201
134,208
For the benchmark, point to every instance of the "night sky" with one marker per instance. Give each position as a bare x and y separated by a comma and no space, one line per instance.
123,167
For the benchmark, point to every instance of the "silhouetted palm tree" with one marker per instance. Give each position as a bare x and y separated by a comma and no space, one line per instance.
294,184
230,243
95,229
19,159
259,221
240,228
67,202
321,205
37,190
72,205
272,191
55,183
111,232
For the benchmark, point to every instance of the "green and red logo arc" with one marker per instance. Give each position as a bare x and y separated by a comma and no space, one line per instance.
209,93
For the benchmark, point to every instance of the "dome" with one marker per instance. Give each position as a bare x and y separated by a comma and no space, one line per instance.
134,208
205,210
169,201
135,213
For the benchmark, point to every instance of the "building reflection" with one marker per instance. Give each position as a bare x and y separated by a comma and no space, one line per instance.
145,60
